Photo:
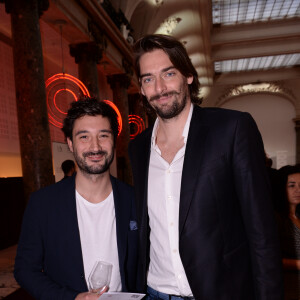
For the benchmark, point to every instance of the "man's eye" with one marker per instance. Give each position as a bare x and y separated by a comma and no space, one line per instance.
169,74
84,138
147,80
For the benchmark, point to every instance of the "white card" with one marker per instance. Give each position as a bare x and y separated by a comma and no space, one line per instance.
120,296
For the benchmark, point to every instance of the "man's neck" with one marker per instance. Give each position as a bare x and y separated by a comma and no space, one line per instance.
172,129
169,137
93,187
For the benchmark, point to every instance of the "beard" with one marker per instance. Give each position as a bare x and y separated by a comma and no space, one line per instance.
94,169
169,111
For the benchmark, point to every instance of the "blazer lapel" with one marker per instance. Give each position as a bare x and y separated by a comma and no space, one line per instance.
193,157
73,227
141,181
122,211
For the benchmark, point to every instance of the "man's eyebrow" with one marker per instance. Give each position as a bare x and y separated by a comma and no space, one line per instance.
106,130
80,132
162,71
86,131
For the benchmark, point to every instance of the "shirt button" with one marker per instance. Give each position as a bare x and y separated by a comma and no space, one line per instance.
179,276
169,197
174,250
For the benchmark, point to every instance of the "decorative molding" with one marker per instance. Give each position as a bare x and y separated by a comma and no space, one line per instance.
97,35
127,67
253,88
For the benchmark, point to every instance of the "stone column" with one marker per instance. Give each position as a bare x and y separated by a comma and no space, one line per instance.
297,128
35,143
87,56
119,84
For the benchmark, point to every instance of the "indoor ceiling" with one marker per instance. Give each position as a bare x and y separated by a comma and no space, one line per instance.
223,37
252,12
235,37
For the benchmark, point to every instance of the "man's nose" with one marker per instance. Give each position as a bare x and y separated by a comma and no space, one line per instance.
160,84
95,144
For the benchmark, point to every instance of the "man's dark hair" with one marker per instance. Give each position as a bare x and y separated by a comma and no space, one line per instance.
67,166
87,106
177,55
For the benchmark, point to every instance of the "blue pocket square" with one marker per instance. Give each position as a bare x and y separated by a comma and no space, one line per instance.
133,225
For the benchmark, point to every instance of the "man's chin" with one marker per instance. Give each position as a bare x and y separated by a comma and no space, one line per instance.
95,170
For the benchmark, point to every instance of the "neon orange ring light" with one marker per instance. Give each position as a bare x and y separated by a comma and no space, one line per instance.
138,122
55,85
118,113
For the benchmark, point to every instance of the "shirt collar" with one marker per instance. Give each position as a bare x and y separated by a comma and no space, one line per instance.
185,129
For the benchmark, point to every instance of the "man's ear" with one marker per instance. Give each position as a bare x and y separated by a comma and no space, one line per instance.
190,79
70,144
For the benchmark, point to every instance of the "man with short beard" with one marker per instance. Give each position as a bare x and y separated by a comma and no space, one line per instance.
205,215
85,218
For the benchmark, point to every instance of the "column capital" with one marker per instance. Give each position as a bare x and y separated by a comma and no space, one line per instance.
297,122
11,6
90,51
121,80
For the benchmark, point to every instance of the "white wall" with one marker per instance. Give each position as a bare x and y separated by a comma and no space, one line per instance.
274,117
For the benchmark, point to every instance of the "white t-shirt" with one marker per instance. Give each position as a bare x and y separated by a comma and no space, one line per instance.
97,227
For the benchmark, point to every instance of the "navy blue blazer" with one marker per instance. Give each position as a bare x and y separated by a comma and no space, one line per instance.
228,242
49,263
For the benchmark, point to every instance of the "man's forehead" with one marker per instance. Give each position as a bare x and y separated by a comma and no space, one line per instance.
154,58
97,121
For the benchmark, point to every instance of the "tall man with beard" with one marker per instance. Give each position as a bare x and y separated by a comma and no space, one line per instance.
90,216
204,209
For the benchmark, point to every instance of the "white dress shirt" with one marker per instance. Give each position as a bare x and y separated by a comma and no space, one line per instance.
166,273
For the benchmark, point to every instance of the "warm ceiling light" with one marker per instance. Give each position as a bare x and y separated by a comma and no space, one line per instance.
169,25
159,2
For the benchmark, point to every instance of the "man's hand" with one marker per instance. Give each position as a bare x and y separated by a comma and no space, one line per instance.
91,295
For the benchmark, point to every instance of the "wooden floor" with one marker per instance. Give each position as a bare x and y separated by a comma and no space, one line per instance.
19,294
9,288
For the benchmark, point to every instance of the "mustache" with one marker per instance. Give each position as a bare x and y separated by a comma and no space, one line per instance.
158,96
100,152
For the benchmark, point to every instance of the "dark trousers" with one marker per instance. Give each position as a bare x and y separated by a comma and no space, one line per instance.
156,295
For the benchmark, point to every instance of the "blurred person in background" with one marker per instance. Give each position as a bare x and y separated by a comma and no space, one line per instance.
289,229
68,167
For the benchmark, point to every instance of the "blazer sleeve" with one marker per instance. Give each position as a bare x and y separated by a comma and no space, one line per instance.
254,194
30,256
